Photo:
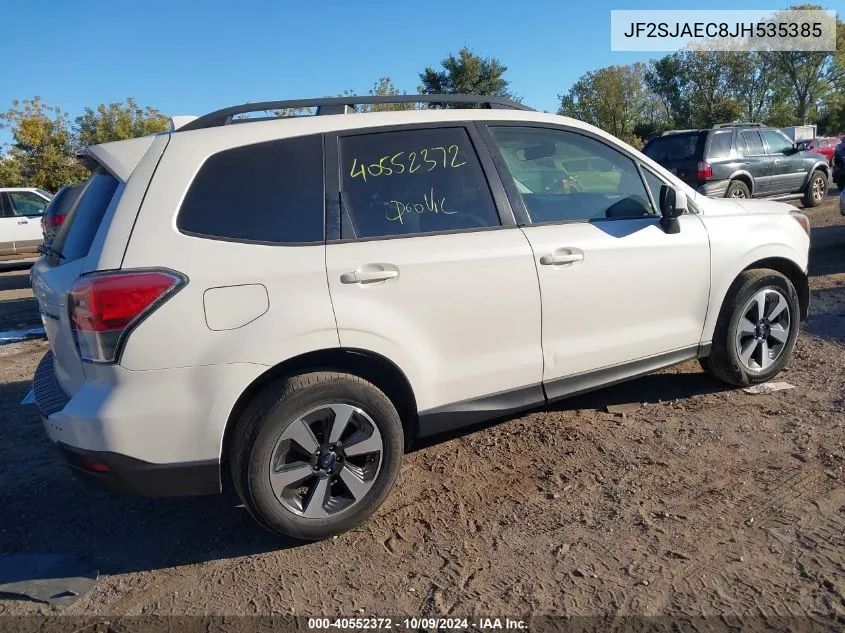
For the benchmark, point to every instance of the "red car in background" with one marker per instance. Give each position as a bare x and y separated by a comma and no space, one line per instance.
824,145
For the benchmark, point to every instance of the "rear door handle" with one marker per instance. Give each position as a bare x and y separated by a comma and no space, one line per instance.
560,257
369,276
23,221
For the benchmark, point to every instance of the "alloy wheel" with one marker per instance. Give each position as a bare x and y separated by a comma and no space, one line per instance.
763,330
818,188
326,461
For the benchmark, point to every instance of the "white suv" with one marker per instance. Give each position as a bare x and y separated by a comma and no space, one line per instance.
291,300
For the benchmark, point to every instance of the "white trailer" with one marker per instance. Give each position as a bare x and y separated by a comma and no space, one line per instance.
800,132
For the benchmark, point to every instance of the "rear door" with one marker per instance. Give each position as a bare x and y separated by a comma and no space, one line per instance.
425,269
53,277
755,161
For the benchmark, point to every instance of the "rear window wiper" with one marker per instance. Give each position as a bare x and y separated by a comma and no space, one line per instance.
49,251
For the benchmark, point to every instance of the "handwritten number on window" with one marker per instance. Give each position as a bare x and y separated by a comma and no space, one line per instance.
389,165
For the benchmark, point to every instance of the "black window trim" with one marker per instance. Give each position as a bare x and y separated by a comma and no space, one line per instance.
520,210
336,217
4,213
239,240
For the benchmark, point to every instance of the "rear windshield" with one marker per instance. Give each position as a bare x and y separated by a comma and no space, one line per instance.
77,233
673,147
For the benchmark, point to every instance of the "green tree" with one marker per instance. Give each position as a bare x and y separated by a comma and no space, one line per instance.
42,146
118,121
384,87
466,73
611,98
667,78
814,77
10,172
714,76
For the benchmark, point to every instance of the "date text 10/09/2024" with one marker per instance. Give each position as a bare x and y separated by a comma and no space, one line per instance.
416,624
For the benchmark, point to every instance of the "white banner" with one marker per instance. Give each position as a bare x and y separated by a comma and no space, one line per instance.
724,30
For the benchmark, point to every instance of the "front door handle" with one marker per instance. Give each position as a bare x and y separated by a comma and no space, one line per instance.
368,276
561,258
23,221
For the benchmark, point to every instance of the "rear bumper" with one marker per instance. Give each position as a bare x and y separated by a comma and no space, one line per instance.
127,475
114,471
714,189
153,433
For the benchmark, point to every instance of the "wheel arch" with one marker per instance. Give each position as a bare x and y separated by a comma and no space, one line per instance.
373,367
791,271
821,166
744,177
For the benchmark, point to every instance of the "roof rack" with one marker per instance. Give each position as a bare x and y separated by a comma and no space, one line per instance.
721,125
668,132
344,105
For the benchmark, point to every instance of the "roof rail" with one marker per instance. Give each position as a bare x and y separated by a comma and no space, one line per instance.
668,132
344,105
721,125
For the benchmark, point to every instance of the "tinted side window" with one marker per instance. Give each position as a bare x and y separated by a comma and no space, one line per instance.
78,230
720,144
564,176
753,142
267,192
413,181
777,142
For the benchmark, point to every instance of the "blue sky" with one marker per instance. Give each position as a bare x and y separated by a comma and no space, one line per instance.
191,57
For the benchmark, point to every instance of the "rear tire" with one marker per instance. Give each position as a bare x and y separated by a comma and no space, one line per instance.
737,189
816,189
749,347
316,454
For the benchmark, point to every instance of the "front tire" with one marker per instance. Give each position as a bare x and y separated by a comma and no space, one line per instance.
756,329
816,189
317,454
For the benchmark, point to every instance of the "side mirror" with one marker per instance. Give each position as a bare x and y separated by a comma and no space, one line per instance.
673,202
801,146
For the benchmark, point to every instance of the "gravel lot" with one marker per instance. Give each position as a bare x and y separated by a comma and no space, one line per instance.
703,501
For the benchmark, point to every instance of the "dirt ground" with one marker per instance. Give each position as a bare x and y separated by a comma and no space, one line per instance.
704,501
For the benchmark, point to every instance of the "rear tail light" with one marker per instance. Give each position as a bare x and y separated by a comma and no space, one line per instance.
705,171
104,308
802,219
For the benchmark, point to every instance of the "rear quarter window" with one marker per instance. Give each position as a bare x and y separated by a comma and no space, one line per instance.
268,192
720,145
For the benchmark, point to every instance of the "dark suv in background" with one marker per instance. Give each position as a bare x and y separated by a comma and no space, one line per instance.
742,161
